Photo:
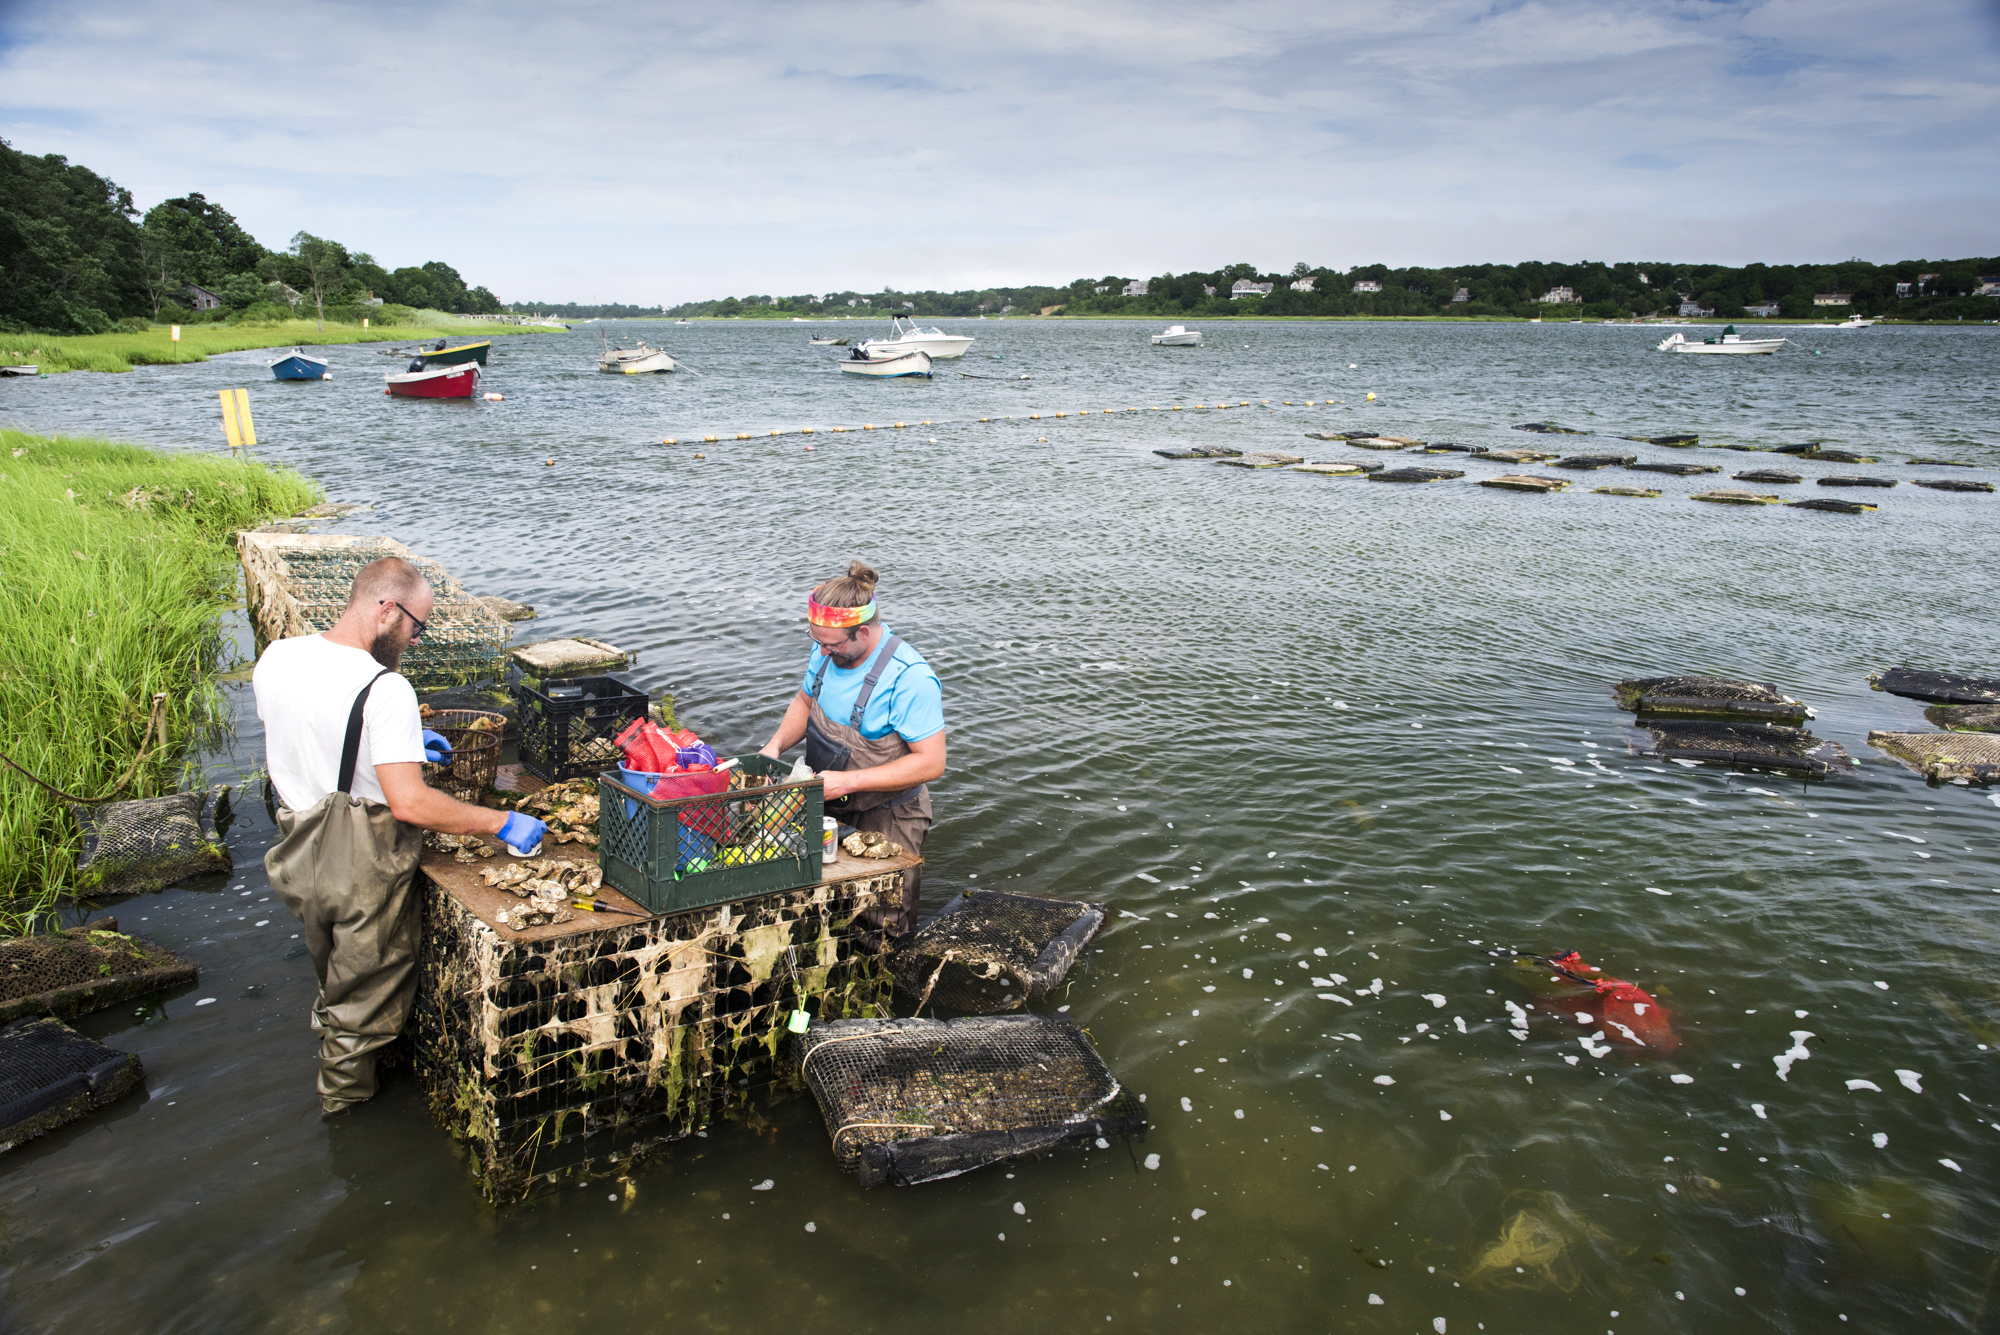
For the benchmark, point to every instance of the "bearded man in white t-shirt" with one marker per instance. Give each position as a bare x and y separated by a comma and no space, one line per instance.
345,746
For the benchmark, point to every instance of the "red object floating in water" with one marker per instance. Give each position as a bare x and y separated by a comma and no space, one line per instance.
1628,1012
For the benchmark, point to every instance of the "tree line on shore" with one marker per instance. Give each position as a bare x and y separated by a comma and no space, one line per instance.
1909,289
76,257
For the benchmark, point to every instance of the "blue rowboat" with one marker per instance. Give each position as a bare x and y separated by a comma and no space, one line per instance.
298,366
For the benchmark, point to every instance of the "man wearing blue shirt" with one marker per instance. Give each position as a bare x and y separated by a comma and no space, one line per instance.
871,713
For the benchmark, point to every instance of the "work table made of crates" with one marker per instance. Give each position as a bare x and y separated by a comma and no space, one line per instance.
568,1049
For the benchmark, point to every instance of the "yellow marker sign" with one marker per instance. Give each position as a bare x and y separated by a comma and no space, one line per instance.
174,332
236,423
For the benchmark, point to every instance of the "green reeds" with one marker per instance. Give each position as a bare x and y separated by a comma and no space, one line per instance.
115,563
121,352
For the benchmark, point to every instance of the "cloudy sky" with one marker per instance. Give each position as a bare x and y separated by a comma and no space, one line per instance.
663,151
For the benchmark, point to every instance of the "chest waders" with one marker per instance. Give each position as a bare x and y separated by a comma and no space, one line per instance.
902,816
344,867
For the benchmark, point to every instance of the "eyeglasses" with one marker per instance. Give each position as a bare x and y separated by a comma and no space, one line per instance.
829,645
411,615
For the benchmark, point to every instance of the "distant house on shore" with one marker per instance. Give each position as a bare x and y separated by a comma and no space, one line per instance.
1302,285
1208,289
1137,287
202,299
1691,307
1367,285
1245,288
1645,280
370,300
1100,287
1833,299
1463,294
1763,310
1906,290
1560,296
1988,287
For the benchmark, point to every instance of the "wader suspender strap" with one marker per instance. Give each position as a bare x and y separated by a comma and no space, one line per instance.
350,750
875,671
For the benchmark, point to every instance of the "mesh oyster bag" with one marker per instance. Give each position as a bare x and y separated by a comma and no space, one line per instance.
147,844
1945,757
1709,697
910,1101
990,950
49,1075
1769,746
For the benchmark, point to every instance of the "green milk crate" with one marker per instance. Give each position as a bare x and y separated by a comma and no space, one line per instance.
716,848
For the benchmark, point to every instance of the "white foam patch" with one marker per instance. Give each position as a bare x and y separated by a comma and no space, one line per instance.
1435,998
1797,1053
1681,1079
1595,1049
1459,1021
1655,890
1187,1105
1881,1141
1375,986
1385,1079
1153,1162
1443,1116
1150,880
1911,1081
1879,983
1571,1058
1949,1164
1911,837
1854,1085
1758,1108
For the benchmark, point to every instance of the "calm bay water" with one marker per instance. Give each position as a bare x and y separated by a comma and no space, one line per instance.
1265,715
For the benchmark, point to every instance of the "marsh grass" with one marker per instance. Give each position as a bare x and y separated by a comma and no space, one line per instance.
121,352
115,564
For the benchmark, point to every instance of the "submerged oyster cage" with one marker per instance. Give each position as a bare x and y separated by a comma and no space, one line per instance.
1709,697
910,1101
297,584
569,725
83,969
1767,746
50,1075
1942,688
1945,757
688,852
990,950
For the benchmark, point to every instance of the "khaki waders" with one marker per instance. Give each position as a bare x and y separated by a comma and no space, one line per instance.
345,867
902,816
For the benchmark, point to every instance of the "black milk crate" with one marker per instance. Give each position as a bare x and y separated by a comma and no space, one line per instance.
568,724
690,852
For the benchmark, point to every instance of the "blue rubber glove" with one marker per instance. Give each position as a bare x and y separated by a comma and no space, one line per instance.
437,749
523,834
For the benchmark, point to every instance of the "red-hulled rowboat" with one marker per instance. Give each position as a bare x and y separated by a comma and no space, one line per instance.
446,382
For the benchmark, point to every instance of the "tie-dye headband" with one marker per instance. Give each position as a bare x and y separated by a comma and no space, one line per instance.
838,618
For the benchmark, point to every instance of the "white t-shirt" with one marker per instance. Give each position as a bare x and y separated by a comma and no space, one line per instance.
305,687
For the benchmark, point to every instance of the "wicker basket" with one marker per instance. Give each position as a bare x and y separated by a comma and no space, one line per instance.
475,751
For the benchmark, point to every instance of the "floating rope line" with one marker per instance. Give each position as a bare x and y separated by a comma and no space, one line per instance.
1218,406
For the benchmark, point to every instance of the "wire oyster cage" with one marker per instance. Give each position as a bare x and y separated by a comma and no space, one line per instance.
1741,745
298,585
1964,758
911,1101
992,950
